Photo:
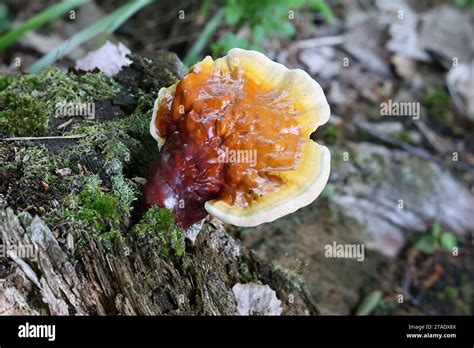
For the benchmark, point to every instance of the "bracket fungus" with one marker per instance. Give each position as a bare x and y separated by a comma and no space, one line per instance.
234,141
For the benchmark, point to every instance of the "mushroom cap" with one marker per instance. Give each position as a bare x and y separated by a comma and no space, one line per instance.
264,107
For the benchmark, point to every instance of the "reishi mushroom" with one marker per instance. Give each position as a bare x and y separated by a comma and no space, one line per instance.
234,141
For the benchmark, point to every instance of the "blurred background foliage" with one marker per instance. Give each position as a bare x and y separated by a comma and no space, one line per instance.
244,23
232,23
263,19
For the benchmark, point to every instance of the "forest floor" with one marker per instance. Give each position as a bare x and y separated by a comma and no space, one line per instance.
402,186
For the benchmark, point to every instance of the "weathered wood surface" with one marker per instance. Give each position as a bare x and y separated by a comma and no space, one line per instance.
131,280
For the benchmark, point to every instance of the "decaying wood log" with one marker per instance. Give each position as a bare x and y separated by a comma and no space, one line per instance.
132,280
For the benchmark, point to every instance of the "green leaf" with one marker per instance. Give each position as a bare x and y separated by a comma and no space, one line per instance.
369,303
3,11
329,191
287,29
322,6
258,33
46,16
460,3
4,22
203,10
233,12
449,240
436,231
425,244
227,42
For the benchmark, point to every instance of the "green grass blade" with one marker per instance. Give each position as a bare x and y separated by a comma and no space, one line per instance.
120,15
193,55
203,10
369,303
46,16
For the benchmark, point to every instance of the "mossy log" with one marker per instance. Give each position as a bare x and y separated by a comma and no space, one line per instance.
70,194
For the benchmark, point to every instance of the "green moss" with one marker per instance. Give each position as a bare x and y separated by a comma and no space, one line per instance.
116,149
126,143
91,211
158,227
107,239
96,85
100,203
28,177
95,138
330,133
7,162
5,82
295,279
96,212
244,273
91,183
404,137
97,208
54,87
439,106
125,191
22,115
37,162
138,124
28,102
108,139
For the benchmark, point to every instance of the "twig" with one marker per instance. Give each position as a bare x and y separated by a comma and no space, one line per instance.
65,124
441,145
365,127
26,268
173,40
76,136
319,41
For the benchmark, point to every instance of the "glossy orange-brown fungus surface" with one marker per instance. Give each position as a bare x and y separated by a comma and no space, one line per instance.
226,134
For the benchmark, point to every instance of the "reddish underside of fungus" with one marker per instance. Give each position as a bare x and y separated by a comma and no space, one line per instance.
249,107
